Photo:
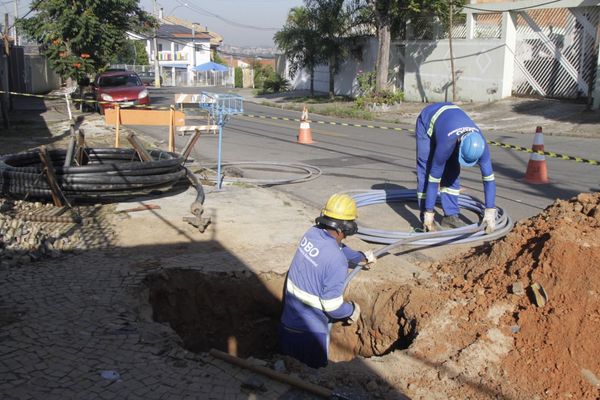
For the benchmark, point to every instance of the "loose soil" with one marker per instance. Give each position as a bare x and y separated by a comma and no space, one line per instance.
553,348
472,332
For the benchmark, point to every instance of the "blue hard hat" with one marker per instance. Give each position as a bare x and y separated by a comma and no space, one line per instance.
471,149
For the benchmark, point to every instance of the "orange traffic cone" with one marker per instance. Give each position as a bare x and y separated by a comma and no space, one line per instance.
304,133
537,172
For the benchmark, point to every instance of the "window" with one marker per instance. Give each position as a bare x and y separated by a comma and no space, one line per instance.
160,47
119,80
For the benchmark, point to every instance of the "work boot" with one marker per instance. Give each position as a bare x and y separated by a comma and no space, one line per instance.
452,222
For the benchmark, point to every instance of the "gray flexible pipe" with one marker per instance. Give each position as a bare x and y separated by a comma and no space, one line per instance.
469,233
311,172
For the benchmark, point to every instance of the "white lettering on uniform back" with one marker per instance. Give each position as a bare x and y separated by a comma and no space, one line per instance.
462,131
308,250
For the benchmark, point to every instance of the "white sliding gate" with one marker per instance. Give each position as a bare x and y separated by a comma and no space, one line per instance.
555,51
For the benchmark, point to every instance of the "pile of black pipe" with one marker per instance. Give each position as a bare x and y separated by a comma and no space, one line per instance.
105,174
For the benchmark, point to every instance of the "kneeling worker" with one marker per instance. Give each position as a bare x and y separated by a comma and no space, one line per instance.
314,289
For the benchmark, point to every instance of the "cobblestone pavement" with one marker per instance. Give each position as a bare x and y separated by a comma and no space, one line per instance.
64,323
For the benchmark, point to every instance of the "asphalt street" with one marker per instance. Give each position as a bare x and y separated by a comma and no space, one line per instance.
354,158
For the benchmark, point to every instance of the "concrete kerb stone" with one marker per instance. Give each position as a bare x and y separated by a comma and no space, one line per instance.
511,115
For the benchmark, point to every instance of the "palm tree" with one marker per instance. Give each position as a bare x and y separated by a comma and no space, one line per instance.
299,40
338,36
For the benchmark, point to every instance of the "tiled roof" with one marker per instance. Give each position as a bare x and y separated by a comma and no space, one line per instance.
180,32
215,38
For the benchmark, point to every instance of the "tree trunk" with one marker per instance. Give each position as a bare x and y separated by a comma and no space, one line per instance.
331,80
452,54
312,82
383,56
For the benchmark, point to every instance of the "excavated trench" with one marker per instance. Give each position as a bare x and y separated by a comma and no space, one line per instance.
239,312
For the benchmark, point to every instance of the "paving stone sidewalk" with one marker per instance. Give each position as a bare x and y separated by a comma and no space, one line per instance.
65,323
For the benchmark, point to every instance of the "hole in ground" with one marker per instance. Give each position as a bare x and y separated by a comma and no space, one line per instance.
239,312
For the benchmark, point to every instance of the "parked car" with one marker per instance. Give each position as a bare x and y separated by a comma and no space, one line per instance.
123,87
148,78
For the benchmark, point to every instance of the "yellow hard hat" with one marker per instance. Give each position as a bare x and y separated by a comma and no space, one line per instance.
340,206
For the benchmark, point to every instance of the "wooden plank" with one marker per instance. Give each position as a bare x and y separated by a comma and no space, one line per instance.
57,195
80,149
144,155
188,98
191,144
144,117
117,126
193,128
171,130
143,207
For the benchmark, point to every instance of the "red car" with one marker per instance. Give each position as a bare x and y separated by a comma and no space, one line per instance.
123,87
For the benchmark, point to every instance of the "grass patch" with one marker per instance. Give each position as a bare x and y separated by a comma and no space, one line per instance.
341,110
345,112
320,99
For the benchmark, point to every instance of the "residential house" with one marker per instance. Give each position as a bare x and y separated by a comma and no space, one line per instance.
181,45
179,49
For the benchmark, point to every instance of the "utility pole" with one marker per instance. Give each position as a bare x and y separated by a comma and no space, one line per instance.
15,22
155,45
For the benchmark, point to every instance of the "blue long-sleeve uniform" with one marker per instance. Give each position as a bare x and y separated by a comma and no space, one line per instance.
313,295
438,130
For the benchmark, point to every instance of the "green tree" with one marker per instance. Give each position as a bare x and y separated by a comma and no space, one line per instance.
338,37
80,37
299,41
262,73
389,18
239,77
132,52
217,58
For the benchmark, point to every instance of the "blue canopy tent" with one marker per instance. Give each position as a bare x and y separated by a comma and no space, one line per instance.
211,74
210,66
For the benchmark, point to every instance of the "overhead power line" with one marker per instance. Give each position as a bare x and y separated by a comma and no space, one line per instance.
203,11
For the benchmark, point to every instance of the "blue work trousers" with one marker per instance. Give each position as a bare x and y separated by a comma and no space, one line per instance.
308,347
450,183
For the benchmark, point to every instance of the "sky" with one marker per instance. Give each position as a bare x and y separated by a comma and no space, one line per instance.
245,23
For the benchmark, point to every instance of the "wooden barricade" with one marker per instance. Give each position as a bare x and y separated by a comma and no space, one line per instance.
170,118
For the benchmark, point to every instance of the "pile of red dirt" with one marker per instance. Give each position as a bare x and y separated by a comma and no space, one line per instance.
556,353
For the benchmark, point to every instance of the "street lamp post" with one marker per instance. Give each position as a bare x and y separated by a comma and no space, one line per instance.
194,52
155,45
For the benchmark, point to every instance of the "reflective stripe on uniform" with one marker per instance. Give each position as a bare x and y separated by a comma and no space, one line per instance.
489,178
313,300
434,180
421,195
436,116
447,190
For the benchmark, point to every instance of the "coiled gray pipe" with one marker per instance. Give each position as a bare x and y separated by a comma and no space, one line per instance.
393,239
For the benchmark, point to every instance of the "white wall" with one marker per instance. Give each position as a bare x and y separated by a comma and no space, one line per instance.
185,48
345,80
478,65
39,78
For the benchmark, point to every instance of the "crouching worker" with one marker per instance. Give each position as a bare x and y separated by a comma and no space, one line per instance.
314,289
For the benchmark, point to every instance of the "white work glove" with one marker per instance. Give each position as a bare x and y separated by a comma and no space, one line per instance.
355,314
489,218
428,223
369,257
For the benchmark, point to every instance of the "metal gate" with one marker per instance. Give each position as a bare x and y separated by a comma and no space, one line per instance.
554,55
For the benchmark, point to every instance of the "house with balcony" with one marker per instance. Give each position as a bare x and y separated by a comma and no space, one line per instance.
179,50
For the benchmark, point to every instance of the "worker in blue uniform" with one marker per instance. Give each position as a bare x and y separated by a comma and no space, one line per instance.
446,140
315,283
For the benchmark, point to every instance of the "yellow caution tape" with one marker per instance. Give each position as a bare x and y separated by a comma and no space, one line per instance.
261,116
